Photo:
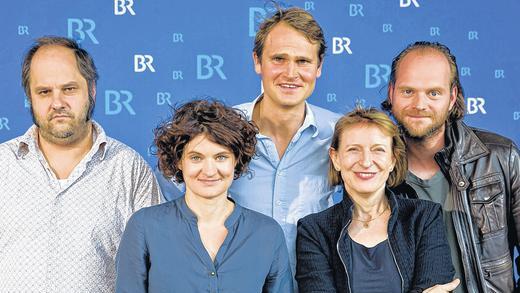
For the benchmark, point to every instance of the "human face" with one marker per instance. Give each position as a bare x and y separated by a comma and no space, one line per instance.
421,97
289,67
59,96
207,168
364,158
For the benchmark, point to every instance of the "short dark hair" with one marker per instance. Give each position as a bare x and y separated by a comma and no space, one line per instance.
85,63
457,112
371,116
223,125
297,18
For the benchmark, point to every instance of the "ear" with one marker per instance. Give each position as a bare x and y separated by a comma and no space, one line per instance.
94,91
179,165
333,154
258,63
453,97
320,66
390,93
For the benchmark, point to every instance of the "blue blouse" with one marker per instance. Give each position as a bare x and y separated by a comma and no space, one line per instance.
161,251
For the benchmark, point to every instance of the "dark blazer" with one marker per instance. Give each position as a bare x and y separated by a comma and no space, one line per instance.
416,235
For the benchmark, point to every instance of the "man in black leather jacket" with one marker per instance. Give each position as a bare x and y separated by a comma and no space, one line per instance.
473,173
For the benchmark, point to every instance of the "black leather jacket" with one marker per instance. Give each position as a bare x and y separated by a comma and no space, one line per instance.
483,169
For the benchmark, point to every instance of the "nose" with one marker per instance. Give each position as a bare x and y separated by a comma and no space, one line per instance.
291,70
366,159
209,168
419,101
58,101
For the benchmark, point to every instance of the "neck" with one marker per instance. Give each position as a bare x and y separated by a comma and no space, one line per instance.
369,206
273,120
213,210
421,153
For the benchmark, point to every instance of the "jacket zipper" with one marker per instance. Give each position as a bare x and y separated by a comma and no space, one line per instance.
339,253
396,265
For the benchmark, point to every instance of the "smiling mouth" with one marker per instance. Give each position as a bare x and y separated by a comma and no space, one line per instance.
365,175
288,86
209,181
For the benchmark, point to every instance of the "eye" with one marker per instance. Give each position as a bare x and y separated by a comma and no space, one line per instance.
435,94
303,61
379,150
407,92
195,158
352,149
69,89
222,157
43,92
278,59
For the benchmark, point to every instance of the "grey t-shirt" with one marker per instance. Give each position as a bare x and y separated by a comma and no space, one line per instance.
436,189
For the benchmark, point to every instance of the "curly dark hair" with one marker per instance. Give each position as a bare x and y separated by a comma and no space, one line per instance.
220,124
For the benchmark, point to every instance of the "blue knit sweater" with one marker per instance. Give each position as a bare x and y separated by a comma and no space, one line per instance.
416,234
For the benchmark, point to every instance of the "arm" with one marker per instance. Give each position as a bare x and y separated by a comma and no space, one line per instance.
280,277
432,255
146,190
132,263
514,175
313,270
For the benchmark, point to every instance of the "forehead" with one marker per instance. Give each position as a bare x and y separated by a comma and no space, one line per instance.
52,62
365,133
203,144
284,37
425,64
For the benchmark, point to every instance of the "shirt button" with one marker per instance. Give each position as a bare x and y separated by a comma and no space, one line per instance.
281,173
461,183
212,274
279,202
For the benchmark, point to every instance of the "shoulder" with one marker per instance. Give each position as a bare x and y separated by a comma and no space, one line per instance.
155,213
418,210
10,146
325,120
325,220
260,221
489,138
118,151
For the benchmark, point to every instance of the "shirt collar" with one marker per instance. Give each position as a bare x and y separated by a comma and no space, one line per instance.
192,218
309,120
29,141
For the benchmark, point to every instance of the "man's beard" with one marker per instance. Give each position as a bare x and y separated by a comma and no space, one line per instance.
421,132
64,132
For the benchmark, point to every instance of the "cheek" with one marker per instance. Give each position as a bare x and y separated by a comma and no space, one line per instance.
309,74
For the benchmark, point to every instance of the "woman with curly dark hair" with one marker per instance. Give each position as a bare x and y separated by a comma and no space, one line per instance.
203,241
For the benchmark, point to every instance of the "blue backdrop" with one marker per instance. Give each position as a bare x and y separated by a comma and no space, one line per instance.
151,54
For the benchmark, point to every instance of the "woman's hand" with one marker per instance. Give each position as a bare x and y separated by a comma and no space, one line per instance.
443,288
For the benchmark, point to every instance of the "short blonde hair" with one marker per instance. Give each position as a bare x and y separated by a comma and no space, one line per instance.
378,118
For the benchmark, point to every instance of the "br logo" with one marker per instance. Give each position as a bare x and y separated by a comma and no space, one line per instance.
208,65
122,6
340,45
143,62
4,123
475,105
79,29
115,101
408,3
376,74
